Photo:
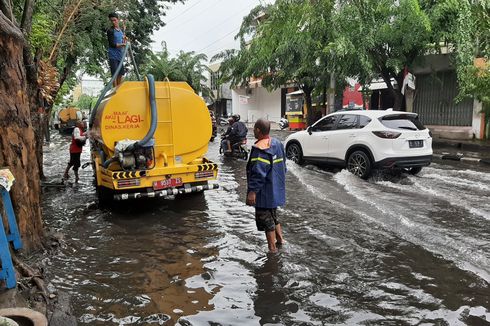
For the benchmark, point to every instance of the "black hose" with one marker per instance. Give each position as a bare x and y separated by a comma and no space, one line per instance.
154,113
106,164
154,120
136,71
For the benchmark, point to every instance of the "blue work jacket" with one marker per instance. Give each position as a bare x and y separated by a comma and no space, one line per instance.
266,173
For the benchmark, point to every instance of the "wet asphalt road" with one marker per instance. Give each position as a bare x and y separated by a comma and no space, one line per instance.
393,250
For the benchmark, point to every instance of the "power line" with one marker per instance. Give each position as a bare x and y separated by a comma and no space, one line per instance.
183,12
217,25
191,18
221,38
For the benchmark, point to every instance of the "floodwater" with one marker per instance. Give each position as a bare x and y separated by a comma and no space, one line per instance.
393,250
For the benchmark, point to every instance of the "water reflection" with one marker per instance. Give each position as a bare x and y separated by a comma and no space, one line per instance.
270,297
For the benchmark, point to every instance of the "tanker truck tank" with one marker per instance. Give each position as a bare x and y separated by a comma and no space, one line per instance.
68,118
148,139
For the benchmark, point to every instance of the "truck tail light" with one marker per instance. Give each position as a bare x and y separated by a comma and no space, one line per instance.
387,134
204,174
125,183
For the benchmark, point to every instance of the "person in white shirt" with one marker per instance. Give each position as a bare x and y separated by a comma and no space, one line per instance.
78,140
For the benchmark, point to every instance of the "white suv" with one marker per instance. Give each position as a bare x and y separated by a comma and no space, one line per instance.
363,140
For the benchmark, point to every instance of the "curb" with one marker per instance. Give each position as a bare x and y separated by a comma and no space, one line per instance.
462,145
461,158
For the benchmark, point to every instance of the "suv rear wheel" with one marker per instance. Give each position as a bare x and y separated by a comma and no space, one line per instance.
294,153
359,164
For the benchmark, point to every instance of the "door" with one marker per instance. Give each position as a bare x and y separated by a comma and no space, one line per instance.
317,142
343,136
435,101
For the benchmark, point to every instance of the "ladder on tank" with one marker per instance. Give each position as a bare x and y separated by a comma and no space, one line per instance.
166,122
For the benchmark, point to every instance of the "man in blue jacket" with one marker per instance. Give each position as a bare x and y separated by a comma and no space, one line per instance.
117,42
266,179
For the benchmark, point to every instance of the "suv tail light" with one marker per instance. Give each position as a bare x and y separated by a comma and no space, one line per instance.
387,134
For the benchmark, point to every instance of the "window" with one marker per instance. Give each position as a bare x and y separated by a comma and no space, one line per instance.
327,123
347,121
402,121
363,121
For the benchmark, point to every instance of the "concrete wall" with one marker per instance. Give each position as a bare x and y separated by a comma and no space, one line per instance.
477,126
259,104
92,87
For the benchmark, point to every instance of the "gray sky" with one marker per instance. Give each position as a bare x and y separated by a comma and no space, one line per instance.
203,26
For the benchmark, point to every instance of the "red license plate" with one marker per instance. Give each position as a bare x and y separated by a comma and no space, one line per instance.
167,183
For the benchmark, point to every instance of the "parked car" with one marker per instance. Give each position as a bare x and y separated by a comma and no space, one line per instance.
363,140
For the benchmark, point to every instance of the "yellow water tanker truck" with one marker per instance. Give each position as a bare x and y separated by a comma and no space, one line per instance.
67,119
148,139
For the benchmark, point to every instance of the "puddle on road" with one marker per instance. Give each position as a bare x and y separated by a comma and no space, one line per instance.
357,253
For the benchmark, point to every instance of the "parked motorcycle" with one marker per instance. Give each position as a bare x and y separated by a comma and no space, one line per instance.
283,123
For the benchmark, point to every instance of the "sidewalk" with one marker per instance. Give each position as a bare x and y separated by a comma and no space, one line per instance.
468,151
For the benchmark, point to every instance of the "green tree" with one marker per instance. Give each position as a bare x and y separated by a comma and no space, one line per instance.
283,44
471,38
380,38
86,102
187,66
79,35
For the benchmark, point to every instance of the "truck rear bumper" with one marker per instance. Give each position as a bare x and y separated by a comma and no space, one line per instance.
165,192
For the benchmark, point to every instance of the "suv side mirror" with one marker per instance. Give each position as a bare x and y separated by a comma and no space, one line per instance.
309,130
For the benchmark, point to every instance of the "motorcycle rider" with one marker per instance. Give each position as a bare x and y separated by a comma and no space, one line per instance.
236,132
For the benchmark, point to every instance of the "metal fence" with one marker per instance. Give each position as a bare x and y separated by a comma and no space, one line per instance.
435,100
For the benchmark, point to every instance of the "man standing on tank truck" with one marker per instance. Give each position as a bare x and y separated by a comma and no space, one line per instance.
266,182
117,42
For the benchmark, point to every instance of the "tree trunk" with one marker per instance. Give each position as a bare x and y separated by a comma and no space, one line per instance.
26,23
36,106
310,117
17,139
331,94
396,93
324,100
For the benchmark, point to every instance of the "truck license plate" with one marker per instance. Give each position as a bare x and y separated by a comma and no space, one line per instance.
167,183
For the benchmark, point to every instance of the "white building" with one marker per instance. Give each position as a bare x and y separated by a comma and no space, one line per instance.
257,102
88,85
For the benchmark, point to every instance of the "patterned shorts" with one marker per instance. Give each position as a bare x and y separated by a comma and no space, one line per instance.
266,219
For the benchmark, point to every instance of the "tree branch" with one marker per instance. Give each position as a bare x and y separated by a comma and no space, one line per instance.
55,46
26,22
6,8
8,28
